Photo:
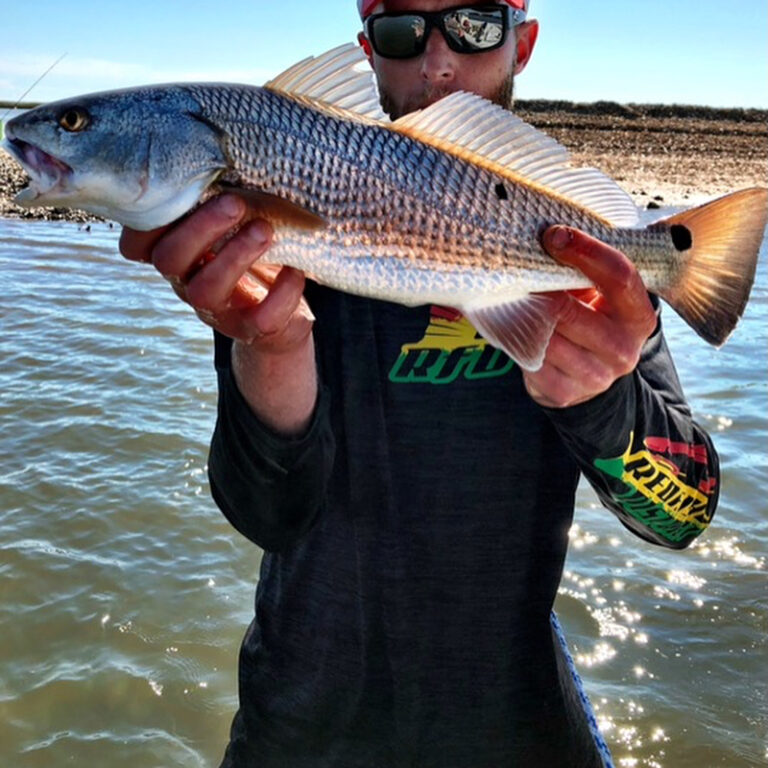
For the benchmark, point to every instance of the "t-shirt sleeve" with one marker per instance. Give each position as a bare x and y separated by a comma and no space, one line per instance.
642,452
270,487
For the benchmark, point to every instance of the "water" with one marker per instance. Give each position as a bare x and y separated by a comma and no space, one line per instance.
125,593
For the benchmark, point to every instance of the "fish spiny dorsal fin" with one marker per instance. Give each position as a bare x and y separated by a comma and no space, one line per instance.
484,133
340,79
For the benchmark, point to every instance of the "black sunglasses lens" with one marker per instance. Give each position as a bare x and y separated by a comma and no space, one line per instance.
466,30
472,31
397,37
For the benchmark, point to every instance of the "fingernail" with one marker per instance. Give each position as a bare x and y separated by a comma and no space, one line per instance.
229,205
257,232
560,237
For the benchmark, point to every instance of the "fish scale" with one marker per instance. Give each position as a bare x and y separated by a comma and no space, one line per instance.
469,225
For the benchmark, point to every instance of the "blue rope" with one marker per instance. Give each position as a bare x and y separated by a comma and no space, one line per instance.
602,747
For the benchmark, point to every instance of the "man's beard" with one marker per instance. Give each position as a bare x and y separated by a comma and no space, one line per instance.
504,97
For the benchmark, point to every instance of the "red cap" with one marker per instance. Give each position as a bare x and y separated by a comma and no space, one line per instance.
366,6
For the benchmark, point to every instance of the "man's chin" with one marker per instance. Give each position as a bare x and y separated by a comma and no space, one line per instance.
503,97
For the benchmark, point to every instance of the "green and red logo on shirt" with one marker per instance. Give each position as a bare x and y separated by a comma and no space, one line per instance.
450,348
658,493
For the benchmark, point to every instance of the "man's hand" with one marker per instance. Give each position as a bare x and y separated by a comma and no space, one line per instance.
600,331
209,260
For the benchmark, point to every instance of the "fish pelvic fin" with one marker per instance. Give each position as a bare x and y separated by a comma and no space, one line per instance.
522,328
723,239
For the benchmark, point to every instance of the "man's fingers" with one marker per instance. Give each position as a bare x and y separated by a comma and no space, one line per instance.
587,370
570,374
550,387
273,314
212,286
599,333
596,332
182,248
585,295
610,270
137,246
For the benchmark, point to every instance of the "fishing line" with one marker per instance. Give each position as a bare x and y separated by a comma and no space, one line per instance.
19,100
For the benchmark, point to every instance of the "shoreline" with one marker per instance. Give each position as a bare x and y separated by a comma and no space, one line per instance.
660,154
668,154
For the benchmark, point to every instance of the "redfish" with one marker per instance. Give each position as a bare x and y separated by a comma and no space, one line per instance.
443,206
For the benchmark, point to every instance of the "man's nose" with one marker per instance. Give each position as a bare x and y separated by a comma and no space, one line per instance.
438,60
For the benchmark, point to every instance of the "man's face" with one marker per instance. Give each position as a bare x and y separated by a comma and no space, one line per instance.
409,84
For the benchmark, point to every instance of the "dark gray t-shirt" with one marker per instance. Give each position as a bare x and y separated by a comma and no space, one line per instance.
414,541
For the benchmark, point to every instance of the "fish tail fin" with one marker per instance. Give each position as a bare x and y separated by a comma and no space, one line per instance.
723,239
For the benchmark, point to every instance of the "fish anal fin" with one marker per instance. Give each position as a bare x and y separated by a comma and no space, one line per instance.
522,328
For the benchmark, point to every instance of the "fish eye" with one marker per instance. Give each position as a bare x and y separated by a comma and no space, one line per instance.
75,119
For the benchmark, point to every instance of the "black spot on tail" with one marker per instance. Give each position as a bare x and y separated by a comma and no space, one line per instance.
501,191
681,237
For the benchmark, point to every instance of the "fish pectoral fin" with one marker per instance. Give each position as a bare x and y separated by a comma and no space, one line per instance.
277,210
521,328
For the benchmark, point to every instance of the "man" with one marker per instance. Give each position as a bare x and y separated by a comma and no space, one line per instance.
411,487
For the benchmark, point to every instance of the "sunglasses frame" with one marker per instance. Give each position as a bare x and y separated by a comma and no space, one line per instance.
510,17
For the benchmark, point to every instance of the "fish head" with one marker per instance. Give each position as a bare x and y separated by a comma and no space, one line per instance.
141,156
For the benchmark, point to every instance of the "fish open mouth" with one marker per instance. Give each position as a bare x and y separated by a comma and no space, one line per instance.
46,172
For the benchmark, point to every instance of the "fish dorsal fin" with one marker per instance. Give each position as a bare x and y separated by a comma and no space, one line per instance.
340,78
471,127
341,81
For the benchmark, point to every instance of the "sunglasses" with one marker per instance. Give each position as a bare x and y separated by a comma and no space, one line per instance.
466,29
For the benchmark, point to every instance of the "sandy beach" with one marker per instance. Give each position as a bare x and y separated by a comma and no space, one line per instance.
662,155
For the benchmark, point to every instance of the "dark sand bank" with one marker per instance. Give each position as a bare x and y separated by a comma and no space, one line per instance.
661,154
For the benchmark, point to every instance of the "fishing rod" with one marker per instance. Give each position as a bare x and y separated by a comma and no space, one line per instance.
19,101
